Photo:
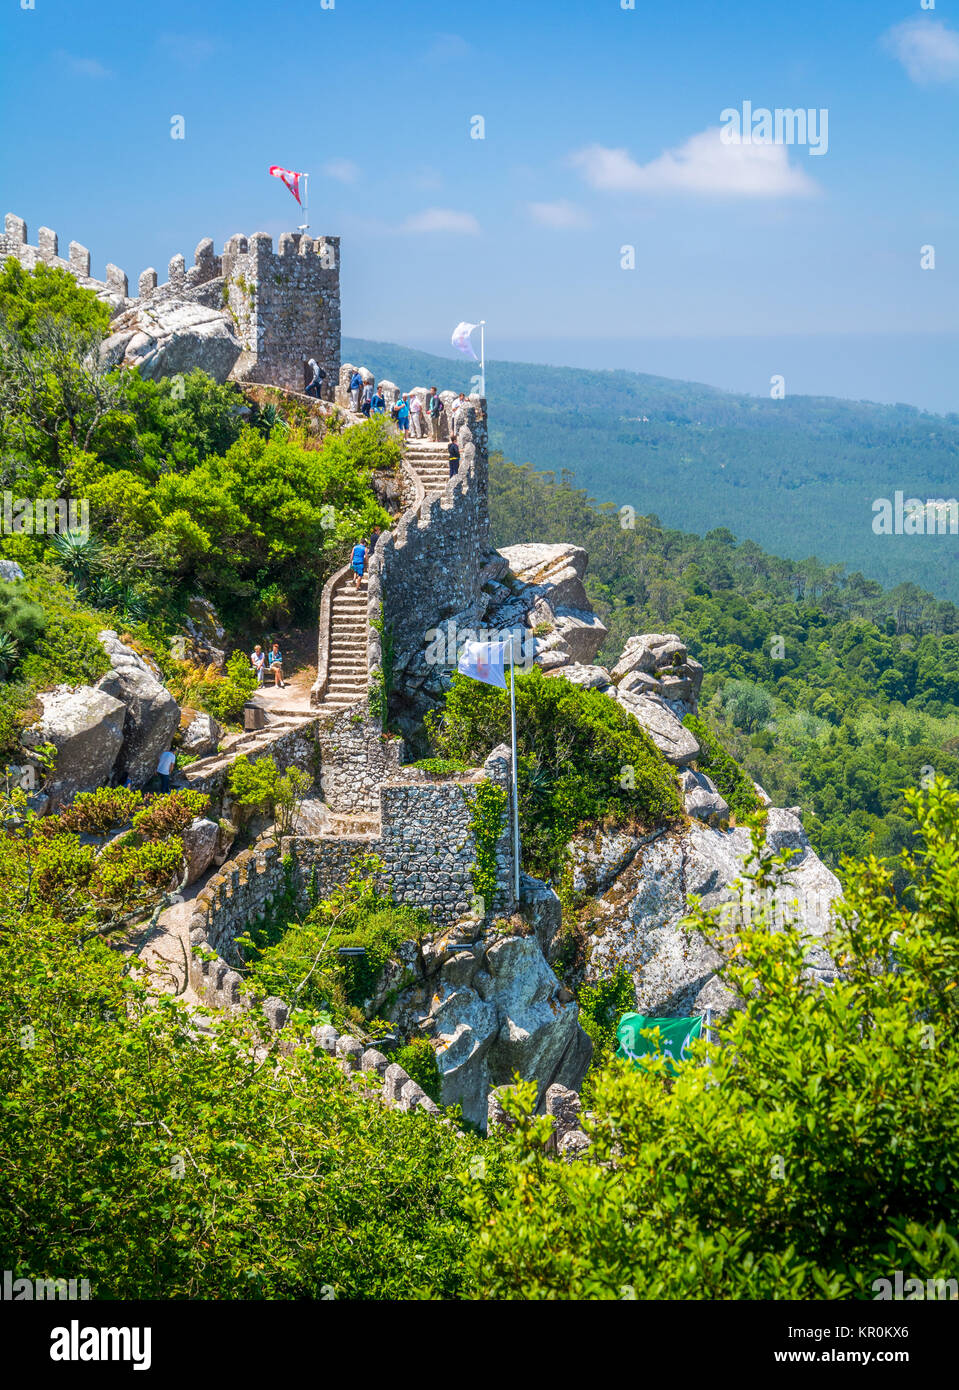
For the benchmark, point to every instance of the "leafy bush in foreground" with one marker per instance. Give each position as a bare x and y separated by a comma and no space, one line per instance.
815,1154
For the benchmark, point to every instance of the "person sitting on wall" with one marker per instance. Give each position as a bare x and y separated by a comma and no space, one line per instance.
358,562
453,452
313,389
258,662
276,664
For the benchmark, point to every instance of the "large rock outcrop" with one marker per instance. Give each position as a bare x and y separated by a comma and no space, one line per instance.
491,1007
643,886
85,726
169,336
152,714
545,593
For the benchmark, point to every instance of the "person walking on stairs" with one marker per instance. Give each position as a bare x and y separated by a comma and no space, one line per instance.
435,408
313,389
358,562
453,452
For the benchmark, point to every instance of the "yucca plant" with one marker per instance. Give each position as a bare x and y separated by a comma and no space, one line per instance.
80,554
9,652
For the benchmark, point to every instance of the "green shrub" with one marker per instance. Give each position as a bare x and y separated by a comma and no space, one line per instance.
260,786
601,1006
814,1155
735,784
304,967
418,1060
441,767
581,758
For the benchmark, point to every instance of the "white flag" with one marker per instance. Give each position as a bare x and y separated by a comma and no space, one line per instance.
484,661
461,339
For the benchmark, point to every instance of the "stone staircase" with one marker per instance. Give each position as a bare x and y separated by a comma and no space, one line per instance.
431,462
245,745
347,666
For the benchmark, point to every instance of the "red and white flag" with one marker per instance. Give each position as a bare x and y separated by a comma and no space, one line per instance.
290,177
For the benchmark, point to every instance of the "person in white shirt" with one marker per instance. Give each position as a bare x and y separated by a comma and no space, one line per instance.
258,660
164,768
417,428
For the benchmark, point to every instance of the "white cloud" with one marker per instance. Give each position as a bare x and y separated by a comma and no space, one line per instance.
704,164
927,49
342,169
446,47
562,213
442,220
86,67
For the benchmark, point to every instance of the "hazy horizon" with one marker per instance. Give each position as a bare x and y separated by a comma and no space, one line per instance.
852,366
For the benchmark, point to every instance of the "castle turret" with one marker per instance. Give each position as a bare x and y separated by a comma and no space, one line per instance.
287,306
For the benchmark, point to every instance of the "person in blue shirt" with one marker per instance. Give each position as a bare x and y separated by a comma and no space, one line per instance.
377,404
276,664
403,415
356,386
358,562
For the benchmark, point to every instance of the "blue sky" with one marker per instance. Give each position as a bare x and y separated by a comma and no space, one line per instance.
600,131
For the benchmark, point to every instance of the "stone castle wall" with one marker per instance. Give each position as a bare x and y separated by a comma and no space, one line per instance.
429,567
14,242
424,841
287,306
286,303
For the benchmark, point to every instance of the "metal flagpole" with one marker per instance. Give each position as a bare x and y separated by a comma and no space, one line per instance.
512,727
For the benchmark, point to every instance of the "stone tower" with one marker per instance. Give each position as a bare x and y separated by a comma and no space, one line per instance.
287,306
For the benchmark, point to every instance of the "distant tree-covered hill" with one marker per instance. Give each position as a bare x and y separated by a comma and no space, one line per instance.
834,694
799,476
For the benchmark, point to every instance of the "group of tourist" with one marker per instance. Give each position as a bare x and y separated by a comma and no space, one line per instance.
409,411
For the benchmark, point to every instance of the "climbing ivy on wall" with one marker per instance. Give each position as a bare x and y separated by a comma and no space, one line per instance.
381,680
486,826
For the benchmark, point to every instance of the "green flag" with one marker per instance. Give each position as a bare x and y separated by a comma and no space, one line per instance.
671,1039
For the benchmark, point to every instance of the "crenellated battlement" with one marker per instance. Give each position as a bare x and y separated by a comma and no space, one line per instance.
15,242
